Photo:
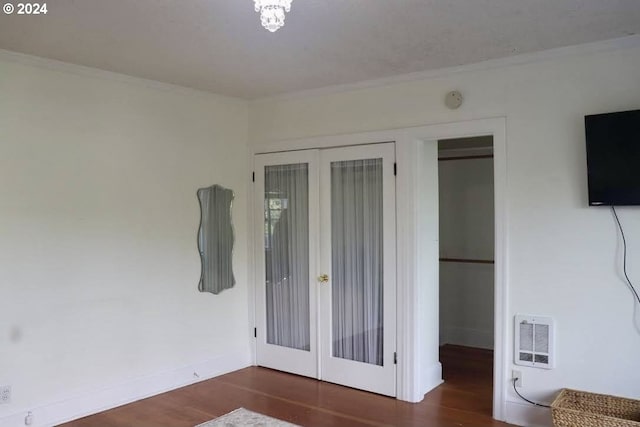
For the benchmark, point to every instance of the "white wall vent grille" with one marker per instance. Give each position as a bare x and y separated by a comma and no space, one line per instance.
534,342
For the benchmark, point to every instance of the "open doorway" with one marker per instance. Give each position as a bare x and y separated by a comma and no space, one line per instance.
466,243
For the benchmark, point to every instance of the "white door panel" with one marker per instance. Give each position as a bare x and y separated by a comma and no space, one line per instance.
286,261
357,304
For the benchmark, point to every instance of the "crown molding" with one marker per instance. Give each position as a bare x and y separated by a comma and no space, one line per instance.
628,42
90,72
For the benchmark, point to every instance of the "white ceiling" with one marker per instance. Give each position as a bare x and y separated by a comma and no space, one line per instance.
219,45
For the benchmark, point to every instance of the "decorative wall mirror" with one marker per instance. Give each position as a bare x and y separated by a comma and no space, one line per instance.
215,239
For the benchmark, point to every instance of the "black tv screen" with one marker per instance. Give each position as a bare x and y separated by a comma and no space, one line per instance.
613,158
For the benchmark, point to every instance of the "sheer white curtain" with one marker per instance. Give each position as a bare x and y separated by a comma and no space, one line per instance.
357,260
286,245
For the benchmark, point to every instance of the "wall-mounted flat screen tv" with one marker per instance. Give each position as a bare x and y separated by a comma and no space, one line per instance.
613,158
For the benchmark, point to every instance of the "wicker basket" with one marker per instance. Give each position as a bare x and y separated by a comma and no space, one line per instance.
581,409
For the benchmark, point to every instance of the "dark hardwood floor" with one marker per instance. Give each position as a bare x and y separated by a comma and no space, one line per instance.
463,400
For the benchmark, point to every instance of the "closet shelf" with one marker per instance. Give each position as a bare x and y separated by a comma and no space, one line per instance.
467,260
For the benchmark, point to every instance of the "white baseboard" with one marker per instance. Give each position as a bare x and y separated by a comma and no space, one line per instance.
81,405
431,378
467,337
524,414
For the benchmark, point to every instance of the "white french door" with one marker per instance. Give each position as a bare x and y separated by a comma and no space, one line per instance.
326,291
286,259
357,304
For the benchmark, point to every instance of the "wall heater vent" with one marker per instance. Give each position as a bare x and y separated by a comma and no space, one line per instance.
534,343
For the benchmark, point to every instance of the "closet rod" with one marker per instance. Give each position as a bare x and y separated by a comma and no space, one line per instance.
467,260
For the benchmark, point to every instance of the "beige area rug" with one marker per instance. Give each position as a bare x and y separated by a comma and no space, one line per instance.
244,418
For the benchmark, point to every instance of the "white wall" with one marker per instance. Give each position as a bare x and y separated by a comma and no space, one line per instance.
562,255
98,219
466,231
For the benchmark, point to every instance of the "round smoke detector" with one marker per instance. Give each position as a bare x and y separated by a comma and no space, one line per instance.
453,100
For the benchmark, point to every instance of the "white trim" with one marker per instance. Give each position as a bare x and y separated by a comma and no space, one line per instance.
524,414
410,375
522,59
91,72
426,283
432,376
501,264
408,322
252,254
94,401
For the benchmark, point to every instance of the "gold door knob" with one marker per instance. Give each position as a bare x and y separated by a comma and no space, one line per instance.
323,278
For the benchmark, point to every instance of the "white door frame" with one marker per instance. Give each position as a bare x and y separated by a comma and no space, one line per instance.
418,370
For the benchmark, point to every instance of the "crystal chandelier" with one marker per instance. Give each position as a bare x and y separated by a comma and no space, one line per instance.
272,12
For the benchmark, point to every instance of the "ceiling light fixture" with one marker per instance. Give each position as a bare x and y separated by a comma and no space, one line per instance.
272,12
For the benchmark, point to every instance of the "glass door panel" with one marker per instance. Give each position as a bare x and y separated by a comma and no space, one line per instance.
356,260
286,252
